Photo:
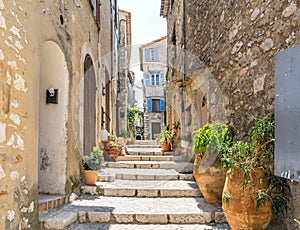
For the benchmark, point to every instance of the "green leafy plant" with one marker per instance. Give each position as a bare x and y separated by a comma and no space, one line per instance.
132,114
95,160
169,135
259,153
226,197
215,137
165,136
112,145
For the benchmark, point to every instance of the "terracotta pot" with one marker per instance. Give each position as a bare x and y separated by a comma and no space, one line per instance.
240,208
90,177
166,147
113,152
211,181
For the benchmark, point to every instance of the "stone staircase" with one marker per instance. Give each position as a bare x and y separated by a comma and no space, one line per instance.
145,189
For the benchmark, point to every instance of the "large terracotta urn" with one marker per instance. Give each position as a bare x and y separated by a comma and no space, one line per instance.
239,204
211,180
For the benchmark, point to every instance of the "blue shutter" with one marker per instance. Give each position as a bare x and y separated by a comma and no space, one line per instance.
148,76
161,78
149,105
147,55
162,106
156,55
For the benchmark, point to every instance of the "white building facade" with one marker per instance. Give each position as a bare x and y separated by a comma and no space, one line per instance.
153,57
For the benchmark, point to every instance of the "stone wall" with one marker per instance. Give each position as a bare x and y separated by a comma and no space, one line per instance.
25,26
232,46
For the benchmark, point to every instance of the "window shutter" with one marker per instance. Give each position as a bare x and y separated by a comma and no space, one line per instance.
162,105
148,78
149,105
147,55
161,78
156,54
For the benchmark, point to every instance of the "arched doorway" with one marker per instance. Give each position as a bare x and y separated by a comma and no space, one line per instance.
53,118
89,130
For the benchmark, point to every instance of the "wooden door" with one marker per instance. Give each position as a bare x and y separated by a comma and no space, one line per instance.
89,132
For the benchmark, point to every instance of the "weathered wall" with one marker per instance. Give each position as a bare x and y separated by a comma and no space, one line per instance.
233,44
25,26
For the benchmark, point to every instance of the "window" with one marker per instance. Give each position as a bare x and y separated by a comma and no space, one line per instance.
151,55
154,79
155,105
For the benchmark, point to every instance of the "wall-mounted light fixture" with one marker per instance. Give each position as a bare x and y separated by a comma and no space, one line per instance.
52,96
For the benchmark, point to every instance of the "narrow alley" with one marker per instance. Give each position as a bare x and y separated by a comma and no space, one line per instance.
147,189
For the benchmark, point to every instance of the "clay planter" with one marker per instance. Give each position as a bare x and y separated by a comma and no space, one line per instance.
90,177
165,147
113,152
211,182
240,208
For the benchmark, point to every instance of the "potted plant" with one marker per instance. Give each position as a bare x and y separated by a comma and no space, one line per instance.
92,164
113,149
209,143
165,138
252,193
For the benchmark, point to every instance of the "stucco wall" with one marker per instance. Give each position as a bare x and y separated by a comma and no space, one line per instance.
24,27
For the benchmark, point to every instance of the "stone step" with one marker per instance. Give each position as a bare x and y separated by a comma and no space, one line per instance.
152,227
178,166
146,142
144,174
48,202
149,158
148,152
132,210
145,188
144,146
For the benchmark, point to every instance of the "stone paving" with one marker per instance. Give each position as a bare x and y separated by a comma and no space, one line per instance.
143,197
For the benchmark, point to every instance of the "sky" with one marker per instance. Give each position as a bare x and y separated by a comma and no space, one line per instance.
146,26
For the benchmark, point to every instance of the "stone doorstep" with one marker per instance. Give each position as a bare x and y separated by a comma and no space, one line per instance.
140,192
124,176
178,166
47,203
149,158
152,153
152,226
64,219
143,146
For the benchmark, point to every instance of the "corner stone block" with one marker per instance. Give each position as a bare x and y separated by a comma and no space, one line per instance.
102,217
123,218
202,218
152,218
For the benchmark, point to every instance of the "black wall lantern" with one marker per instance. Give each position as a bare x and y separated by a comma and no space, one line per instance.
52,96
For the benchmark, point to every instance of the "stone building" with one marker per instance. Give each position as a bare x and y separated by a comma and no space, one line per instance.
153,64
56,90
221,63
125,77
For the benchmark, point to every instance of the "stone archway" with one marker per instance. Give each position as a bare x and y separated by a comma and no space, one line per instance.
89,130
53,118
